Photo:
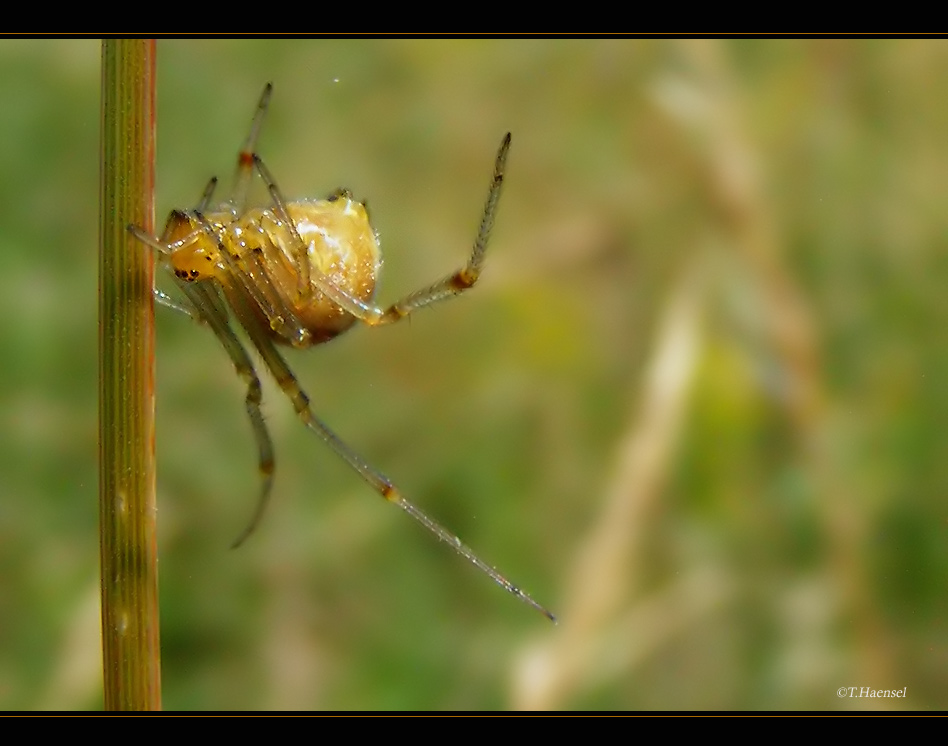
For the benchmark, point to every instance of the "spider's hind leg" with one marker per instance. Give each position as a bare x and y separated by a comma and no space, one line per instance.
467,276
454,284
378,481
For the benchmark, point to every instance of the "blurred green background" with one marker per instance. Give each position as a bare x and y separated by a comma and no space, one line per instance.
697,405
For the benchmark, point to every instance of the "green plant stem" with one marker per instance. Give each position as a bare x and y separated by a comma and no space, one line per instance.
127,526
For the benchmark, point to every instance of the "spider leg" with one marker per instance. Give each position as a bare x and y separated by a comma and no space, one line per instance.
378,481
167,249
465,277
303,268
211,310
244,172
164,249
452,285
163,299
208,194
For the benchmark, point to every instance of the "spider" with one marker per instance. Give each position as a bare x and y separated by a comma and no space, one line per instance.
298,274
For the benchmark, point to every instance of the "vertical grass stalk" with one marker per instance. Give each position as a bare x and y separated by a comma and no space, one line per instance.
127,526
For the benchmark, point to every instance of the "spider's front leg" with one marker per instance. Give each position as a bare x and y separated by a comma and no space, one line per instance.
203,296
163,299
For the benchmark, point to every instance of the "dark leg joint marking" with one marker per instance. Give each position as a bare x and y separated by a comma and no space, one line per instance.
463,280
